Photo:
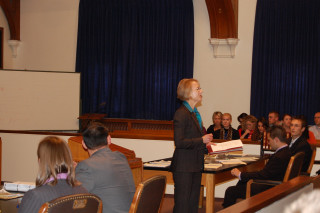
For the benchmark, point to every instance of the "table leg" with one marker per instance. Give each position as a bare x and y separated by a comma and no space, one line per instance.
210,184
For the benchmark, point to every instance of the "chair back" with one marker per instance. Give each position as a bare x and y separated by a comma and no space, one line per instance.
77,203
313,157
294,166
149,194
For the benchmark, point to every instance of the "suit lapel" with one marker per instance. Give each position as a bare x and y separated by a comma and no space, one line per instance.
194,118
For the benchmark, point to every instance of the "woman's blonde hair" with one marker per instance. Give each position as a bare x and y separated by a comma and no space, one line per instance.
216,113
54,157
184,88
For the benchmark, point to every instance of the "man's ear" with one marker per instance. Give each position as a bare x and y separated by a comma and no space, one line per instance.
84,145
303,129
109,140
277,140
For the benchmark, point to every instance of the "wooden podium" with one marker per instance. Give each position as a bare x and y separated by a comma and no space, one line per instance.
79,154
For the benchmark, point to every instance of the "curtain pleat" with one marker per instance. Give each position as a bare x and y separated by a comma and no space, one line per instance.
286,59
132,55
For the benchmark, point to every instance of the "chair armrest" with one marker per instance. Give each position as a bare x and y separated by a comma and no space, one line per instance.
260,182
267,182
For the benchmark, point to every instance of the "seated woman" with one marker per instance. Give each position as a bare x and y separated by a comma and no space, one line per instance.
216,119
249,129
262,127
286,123
227,132
56,175
240,119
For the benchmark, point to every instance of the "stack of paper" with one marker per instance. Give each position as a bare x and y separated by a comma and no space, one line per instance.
19,186
7,195
230,146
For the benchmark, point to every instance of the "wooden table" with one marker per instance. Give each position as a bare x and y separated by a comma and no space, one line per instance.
210,177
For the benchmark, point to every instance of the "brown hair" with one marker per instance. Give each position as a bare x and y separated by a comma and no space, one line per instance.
256,134
54,157
184,88
250,118
279,132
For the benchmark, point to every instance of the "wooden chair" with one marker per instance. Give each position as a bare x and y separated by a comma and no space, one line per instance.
149,195
77,203
313,157
293,170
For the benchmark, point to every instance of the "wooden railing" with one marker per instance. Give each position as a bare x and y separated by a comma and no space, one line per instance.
267,197
131,128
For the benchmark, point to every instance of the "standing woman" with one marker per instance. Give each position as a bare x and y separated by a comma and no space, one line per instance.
190,147
56,175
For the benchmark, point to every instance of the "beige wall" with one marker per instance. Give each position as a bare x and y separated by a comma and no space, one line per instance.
49,35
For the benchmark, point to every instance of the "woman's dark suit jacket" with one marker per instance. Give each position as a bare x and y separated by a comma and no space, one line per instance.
189,147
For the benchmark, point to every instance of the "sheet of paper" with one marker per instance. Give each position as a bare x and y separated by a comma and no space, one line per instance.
161,164
247,158
212,165
232,161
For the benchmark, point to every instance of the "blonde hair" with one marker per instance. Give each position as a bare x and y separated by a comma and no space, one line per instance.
184,88
217,113
227,114
54,157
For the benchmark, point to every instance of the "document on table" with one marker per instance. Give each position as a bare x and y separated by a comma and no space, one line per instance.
212,165
232,161
247,158
19,186
4,195
229,146
160,164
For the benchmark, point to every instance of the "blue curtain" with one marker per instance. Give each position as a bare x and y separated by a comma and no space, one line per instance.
132,54
286,59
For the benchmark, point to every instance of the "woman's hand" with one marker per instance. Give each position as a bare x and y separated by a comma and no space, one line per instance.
245,133
207,138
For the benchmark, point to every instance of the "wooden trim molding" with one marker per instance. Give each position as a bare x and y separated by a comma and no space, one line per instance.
11,9
1,47
131,128
223,15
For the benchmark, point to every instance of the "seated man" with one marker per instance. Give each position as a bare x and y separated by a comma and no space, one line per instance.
105,173
298,142
226,132
274,170
316,128
273,119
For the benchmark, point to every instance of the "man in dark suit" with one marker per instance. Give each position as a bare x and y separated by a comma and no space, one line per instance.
274,170
299,142
105,173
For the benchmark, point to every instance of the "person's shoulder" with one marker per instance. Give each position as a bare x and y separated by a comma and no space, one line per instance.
37,192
